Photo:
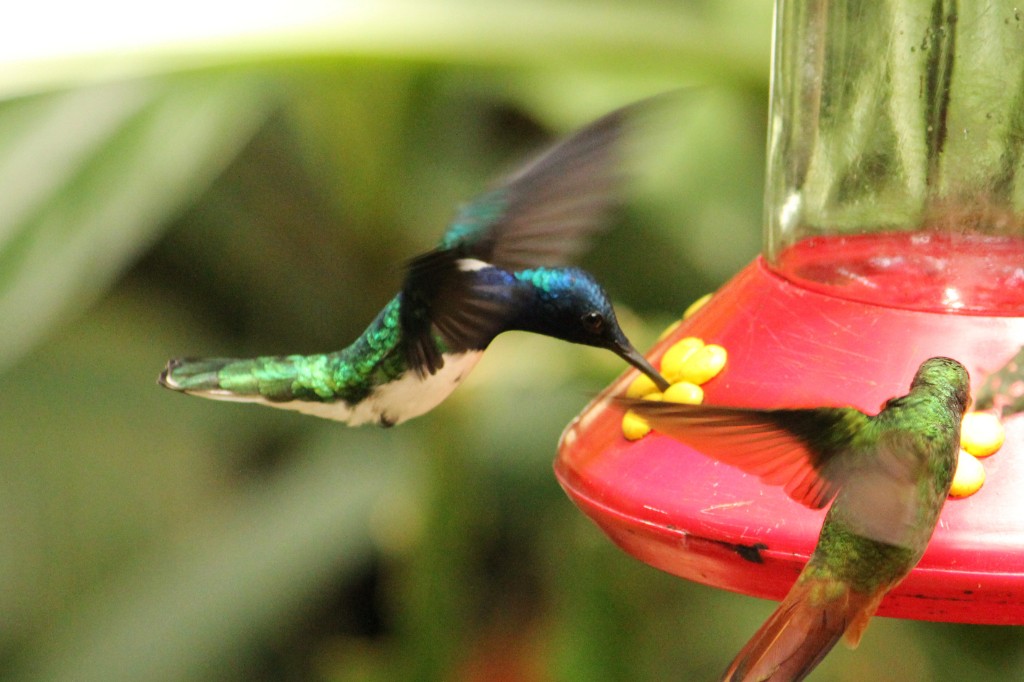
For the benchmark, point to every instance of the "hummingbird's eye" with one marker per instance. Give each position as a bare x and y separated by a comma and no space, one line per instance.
593,322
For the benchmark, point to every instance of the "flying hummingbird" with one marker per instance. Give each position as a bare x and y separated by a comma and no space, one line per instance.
500,266
889,475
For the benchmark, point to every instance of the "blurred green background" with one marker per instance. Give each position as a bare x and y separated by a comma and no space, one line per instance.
235,179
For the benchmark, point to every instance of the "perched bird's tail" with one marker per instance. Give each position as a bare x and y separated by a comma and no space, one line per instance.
805,627
258,379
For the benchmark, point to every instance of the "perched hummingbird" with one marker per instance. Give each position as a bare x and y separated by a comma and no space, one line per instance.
889,475
499,267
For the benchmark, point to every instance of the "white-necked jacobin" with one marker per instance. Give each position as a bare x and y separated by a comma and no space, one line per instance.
501,266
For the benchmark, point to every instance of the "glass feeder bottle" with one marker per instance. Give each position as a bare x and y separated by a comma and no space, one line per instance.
895,166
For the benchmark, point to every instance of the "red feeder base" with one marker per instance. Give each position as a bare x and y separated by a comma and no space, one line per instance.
789,346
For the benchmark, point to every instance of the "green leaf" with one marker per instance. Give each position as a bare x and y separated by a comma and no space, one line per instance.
89,178
204,600
726,39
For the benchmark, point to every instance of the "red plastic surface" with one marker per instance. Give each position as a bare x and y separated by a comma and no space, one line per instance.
921,270
790,346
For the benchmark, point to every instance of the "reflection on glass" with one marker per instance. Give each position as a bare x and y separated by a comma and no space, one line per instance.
895,152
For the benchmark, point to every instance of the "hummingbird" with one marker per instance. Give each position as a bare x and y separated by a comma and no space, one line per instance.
886,476
502,265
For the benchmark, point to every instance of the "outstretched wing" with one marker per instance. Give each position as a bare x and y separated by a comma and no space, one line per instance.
544,214
446,298
807,451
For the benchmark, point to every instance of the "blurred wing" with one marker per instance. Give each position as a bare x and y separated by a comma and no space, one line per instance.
545,213
442,299
801,449
884,500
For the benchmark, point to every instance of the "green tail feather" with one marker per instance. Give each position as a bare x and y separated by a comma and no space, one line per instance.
349,375
185,374
277,379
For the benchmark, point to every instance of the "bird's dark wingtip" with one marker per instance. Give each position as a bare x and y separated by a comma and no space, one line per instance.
165,379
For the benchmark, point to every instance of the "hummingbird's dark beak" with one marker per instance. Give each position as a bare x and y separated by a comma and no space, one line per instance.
633,357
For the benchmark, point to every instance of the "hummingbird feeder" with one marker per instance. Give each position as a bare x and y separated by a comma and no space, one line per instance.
894,232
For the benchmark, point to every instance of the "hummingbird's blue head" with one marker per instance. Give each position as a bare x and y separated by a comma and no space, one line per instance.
569,304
